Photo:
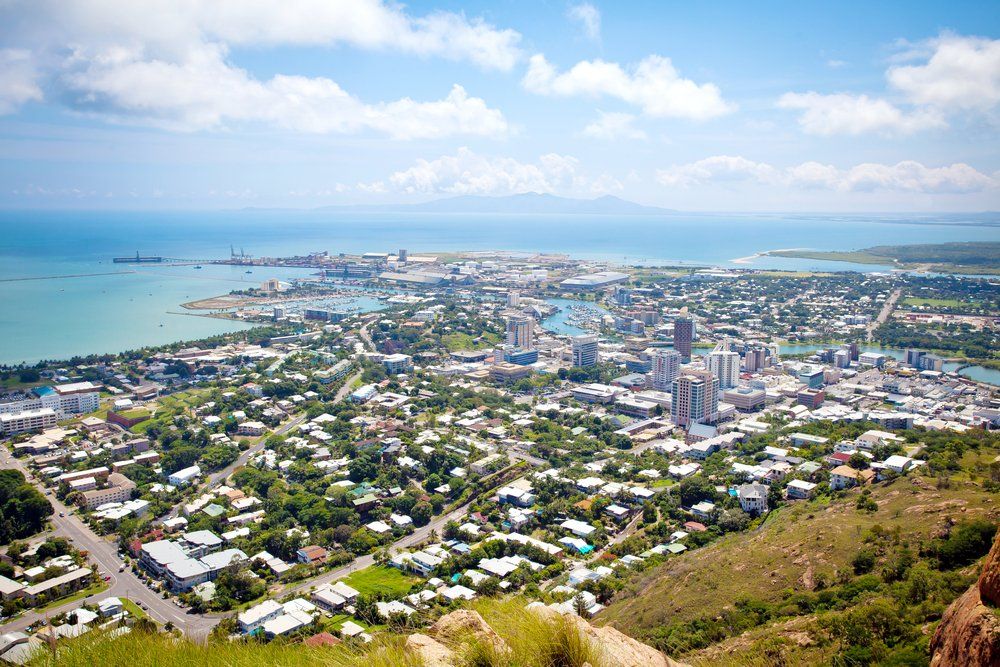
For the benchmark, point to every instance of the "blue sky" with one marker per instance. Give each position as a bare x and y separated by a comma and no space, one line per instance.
804,106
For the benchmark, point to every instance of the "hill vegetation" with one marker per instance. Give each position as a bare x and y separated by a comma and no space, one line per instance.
853,580
23,510
499,634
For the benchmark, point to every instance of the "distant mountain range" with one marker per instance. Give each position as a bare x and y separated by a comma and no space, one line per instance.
527,203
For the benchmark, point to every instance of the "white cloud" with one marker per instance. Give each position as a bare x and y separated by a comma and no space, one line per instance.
204,92
169,25
613,125
589,18
718,168
18,80
951,74
961,73
910,176
166,62
469,173
855,114
653,85
906,176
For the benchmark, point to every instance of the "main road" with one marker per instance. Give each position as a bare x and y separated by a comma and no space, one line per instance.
884,314
104,554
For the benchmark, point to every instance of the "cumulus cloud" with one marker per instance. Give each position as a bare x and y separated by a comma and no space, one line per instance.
467,172
613,125
961,73
653,85
18,80
169,25
589,18
205,92
856,114
906,176
947,75
166,63
718,168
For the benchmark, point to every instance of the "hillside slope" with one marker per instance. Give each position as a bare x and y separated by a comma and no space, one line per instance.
505,634
797,566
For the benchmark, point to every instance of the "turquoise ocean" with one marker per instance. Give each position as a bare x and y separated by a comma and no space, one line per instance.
61,295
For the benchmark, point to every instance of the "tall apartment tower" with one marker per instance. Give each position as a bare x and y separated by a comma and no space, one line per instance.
695,399
520,332
683,335
513,299
585,350
755,359
666,368
725,366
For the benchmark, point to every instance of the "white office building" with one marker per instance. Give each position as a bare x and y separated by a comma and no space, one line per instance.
520,332
63,399
397,363
666,368
27,420
726,367
585,350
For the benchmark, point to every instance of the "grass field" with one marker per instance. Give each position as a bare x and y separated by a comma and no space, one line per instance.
93,589
937,303
132,608
383,579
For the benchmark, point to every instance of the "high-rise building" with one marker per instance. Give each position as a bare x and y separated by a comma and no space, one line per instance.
402,255
666,368
513,299
913,357
725,366
683,335
585,350
623,296
755,359
695,399
520,332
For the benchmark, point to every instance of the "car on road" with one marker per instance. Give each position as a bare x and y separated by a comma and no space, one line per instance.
121,568
62,513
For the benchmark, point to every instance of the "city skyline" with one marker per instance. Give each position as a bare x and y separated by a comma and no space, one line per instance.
788,108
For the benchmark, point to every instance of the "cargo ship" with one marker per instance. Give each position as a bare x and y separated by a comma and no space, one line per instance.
138,259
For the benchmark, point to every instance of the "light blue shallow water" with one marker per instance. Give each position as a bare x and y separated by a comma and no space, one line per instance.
108,313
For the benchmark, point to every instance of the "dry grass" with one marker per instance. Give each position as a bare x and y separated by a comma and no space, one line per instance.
816,537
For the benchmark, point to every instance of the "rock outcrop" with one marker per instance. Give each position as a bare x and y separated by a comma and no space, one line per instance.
430,651
615,648
463,624
969,632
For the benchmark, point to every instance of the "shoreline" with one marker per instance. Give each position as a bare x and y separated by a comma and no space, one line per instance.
763,253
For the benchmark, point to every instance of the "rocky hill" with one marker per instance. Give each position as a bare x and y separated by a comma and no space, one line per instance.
799,589
969,633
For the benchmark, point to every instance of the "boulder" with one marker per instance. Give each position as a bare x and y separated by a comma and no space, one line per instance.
430,651
461,624
615,648
969,632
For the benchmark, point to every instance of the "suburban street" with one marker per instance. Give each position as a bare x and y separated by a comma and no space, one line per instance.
104,554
